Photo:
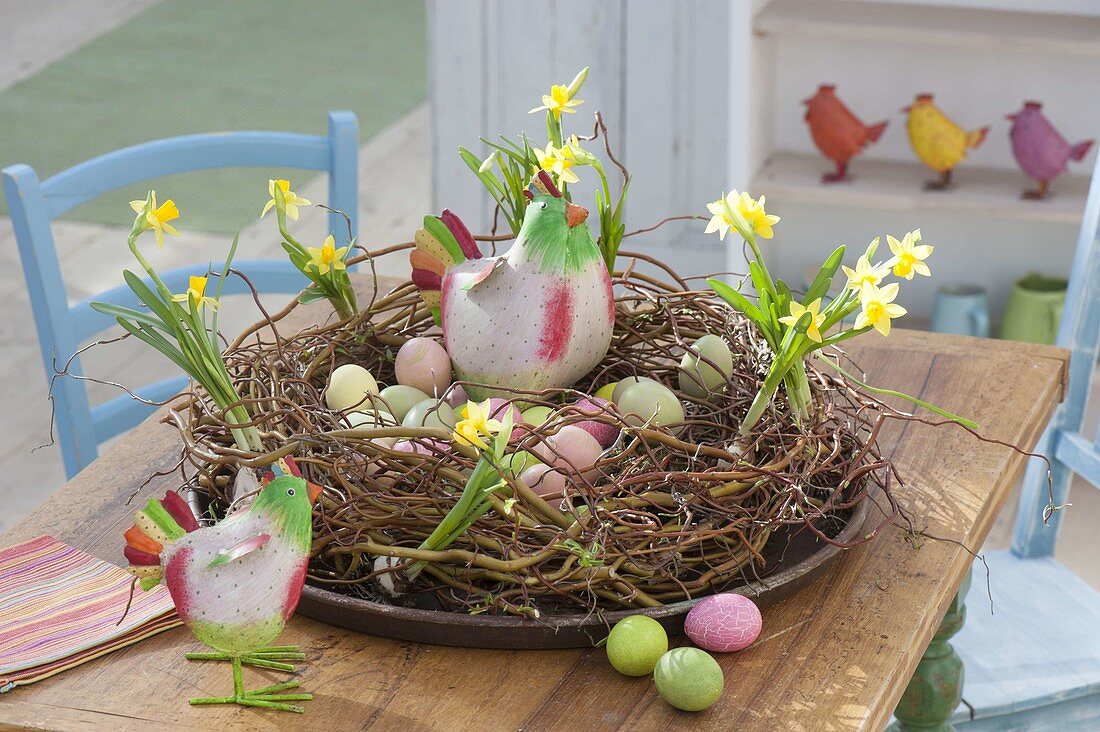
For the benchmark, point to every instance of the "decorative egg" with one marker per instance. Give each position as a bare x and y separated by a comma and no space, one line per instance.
537,415
456,396
373,418
517,462
430,413
570,448
400,399
607,391
635,645
697,377
723,623
650,402
689,679
424,364
349,386
605,433
621,386
543,480
423,446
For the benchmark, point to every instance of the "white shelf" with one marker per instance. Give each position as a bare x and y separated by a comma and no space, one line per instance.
898,23
878,184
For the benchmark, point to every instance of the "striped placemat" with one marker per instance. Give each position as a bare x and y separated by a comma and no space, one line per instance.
60,607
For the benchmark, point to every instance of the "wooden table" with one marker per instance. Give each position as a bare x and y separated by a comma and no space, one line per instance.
835,656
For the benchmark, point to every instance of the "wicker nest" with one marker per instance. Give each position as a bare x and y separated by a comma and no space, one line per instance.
664,515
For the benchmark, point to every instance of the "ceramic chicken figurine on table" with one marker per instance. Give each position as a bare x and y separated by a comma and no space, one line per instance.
838,133
939,142
235,583
537,317
1039,149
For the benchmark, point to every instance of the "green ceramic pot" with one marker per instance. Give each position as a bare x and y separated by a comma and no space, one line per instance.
1034,309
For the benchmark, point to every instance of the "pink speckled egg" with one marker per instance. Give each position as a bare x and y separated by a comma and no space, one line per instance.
723,623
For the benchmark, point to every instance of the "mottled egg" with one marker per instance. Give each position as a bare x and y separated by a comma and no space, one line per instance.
697,377
543,480
605,433
400,399
570,448
430,413
424,364
650,402
349,386
723,623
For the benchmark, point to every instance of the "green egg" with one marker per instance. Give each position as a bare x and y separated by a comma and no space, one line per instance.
371,418
652,402
401,399
689,679
623,385
697,377
635,644
607,391
516,462
537,415
430,413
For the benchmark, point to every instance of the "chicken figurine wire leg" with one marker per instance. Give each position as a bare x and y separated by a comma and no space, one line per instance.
235,583
937,140
539,316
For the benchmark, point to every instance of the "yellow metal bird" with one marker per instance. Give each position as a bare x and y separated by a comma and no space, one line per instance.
937,140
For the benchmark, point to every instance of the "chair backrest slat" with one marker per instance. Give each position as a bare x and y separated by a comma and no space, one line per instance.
61,328
1080,333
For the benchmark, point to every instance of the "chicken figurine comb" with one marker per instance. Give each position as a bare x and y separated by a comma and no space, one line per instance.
1040,149
838,133
937,140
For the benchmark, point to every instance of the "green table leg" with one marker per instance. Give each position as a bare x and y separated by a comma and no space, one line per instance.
935,690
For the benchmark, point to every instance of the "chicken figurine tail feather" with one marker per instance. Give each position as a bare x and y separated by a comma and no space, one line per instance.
441,244
157,524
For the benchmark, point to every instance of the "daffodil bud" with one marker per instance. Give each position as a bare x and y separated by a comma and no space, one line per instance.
487,164
577,83
582,156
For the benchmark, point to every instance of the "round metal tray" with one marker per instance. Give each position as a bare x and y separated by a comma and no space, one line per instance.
791,562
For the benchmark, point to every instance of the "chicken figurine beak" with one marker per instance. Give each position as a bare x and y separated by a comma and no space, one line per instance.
313,491
575,214
905,110
1010,117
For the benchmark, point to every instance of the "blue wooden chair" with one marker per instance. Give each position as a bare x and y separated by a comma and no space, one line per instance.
1035,663
61,328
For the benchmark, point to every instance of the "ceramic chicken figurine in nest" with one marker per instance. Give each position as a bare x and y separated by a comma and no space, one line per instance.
539,316
838,133
235,583
939,142
1040,149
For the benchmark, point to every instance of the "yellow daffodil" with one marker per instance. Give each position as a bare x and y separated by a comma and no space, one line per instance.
559,100
290,198
327,256
878,307
813,332
864,272
909,255
557,162
749,217
196,288
475,422
157,218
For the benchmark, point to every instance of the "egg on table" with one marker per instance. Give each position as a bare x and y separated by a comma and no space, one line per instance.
723,623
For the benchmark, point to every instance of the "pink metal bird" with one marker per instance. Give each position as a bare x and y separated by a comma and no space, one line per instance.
838,133
1039,149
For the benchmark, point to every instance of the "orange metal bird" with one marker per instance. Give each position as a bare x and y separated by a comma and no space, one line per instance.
838,133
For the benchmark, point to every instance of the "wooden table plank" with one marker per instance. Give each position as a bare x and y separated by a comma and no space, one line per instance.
835,656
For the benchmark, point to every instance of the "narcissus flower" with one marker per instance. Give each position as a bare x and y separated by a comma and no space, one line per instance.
196,288
813,332
157,218
864,272
475,422
327,256
909,255
740,211
878,307
291,199
559,100
557,162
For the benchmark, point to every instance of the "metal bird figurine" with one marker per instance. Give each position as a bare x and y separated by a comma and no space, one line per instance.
938,142
838,133
539,316
1039,149
235,583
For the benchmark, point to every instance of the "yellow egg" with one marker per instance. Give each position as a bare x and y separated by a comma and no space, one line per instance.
606,391
697,377
349,386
